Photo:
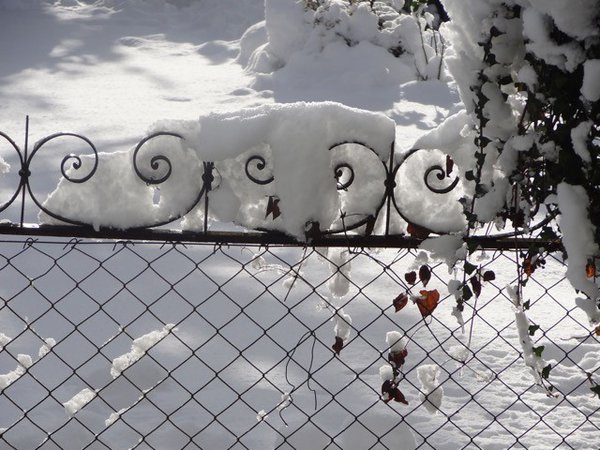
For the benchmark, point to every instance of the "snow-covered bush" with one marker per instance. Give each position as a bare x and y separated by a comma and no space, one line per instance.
528,72
312,26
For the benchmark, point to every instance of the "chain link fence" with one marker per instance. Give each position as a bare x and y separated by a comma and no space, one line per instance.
114,344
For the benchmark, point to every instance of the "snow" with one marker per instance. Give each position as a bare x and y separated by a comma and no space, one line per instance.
578,234
342,325
448,248
340,266
432,394
537,30
590,87
301,167
534,362
285,29
139,347
579,137
575,18
396,341
78,401
46,347
7,379
590,307
261,415
459,352
114,416
386,373
4,339
528,76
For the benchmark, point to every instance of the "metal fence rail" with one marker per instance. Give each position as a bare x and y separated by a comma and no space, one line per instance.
115,344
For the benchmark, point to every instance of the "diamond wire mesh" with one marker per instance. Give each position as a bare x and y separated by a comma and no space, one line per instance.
223,347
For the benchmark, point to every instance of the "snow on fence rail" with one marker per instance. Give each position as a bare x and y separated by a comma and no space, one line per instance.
194,181
334,318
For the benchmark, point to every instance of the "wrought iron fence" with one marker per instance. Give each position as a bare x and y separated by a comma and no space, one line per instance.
381,194
351,337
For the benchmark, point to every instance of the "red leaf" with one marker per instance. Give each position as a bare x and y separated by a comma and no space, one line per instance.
428,302
417,232
273,207
489,275
590,269
399,397
387,390
476,285
390,392
400,302
338,346
449,165
411,277
424,275
528,267
397,358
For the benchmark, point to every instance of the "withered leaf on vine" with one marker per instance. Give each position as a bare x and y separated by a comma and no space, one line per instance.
528,267
338,346
428,302
590,269
546,371
400,302
466,293
424,275
489,275
390,392
417,231
449,165
537,351
273,207
469,268
397,358
597,331
411,277
476,284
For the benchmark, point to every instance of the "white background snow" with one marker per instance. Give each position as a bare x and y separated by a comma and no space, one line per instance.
111,69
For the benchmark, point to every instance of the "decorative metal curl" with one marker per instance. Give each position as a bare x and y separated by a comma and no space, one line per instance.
260,165
441,175
76,165
21,172
155,162
360,219
339,173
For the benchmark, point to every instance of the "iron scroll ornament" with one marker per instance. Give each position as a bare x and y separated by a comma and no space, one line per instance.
345,175
23,172
71,164
161,169
76,165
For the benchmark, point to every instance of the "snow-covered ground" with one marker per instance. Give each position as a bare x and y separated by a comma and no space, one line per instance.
110,69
